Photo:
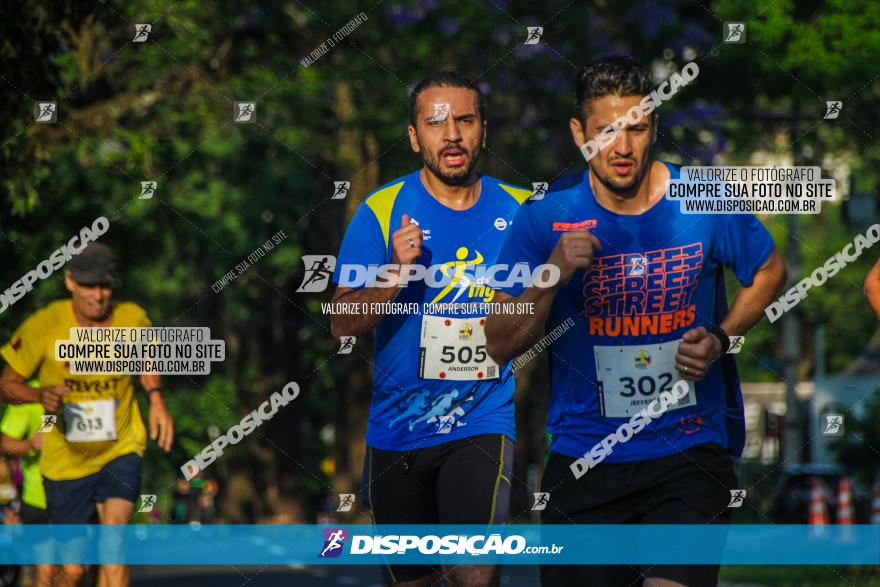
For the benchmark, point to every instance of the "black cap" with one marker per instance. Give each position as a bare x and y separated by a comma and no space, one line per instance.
94,265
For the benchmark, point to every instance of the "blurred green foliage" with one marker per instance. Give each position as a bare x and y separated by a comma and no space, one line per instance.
162,110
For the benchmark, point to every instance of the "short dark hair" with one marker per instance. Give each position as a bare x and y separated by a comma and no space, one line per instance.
448,79
615,75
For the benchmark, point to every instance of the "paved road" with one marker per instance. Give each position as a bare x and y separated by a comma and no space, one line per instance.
227,576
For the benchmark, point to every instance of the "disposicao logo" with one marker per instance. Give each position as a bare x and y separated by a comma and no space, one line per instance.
334,541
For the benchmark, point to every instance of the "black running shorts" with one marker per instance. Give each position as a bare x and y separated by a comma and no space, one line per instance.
692,487
466,481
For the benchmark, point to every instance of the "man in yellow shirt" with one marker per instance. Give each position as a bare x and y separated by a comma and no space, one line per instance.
91,458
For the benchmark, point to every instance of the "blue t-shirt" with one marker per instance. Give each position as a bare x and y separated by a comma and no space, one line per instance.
658,275
408,411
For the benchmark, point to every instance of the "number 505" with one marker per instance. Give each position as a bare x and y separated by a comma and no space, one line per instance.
465,354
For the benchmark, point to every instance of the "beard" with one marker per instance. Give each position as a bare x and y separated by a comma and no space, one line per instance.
458,176
617,185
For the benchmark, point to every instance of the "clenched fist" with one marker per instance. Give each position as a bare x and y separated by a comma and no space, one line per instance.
574,250
696,352
50,397
406,242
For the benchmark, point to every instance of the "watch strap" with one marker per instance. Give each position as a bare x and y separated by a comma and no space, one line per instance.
723,337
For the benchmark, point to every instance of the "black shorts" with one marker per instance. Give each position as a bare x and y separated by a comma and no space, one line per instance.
74,501
692,487
32,515
466,481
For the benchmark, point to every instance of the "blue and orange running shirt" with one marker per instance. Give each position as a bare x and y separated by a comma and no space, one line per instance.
658,275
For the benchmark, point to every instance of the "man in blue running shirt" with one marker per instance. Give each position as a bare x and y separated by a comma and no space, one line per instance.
441,426
643,284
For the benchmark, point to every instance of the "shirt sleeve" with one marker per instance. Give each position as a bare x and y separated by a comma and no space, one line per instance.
363,243
14,423
24,351
744,245
133,315
523,245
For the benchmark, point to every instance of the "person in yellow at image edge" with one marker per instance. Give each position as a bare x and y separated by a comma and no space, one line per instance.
92,469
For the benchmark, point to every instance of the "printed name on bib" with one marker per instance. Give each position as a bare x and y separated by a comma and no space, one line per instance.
455,349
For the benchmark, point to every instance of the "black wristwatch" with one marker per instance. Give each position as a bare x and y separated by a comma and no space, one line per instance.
152,389
722,336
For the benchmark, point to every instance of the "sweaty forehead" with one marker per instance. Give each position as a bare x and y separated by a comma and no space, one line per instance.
607,109
462,100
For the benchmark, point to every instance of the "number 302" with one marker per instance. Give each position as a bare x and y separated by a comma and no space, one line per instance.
646,385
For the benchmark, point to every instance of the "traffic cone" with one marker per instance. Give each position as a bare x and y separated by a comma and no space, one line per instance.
875,504
844,502
818,512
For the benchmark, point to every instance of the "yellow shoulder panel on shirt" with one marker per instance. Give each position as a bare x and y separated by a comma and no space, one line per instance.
130,314
518,194
381,203
59,310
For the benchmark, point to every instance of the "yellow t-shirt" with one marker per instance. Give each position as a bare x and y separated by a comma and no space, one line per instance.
32,351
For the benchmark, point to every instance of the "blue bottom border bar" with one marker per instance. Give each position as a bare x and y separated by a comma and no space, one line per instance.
521,544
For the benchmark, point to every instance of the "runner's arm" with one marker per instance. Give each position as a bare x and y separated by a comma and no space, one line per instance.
151,381
355,324
406,247
15,390
161,424
508,335
872,288
749,303
740,242
15,447
699,348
